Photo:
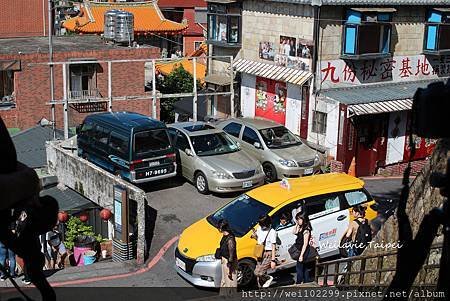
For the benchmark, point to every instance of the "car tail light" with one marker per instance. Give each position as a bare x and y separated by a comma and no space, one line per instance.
173,156
132,167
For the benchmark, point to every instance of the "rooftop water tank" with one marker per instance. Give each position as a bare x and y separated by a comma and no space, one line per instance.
109,31
124,27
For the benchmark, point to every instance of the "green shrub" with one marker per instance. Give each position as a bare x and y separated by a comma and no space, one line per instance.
76,227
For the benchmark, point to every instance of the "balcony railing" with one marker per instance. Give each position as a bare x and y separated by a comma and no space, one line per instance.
84,94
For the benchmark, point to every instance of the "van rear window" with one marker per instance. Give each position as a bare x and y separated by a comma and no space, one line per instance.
151,143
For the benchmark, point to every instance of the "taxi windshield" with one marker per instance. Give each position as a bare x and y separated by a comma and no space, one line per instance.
242,214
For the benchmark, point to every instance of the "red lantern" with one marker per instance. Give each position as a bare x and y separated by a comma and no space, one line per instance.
63,216
105,214
83,216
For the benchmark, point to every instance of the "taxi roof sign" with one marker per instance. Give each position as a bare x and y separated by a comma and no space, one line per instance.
285,184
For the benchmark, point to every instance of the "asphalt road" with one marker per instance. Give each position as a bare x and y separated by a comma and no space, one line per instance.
177,205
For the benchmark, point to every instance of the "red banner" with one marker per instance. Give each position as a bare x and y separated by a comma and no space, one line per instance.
271,100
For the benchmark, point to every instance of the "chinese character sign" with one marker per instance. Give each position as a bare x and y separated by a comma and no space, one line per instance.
396,69
271,99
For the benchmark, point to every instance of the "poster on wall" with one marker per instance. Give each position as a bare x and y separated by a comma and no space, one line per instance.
305,48
287,46
271,100
266,51
223,32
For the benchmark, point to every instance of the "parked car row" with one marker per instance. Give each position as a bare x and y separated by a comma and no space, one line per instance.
234,155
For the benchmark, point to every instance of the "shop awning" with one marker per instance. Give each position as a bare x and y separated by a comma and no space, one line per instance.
374,9
9,65
377,98
270,71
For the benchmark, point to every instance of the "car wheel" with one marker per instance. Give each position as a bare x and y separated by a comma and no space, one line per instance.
201,183
246,272
270,172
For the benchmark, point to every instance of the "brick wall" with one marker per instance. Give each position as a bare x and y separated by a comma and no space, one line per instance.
32,85
23,18
399,168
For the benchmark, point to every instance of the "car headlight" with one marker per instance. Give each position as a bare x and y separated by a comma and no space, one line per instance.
221,175
207,258
288,163
316,159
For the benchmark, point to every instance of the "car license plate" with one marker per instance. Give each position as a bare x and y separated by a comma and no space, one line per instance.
180,264
247,184
308,171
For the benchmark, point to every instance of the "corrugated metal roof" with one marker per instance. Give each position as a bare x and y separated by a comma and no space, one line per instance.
30,145
278,73
370,2
376,92
68,199
377,98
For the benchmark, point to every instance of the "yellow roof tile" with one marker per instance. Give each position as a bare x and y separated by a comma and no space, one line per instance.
166,68
147,18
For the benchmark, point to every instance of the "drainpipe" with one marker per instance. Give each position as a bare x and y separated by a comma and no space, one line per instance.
50,59
316,4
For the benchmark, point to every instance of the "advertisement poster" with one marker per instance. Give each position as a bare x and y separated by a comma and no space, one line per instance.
271,99
287,46
266,51
294,53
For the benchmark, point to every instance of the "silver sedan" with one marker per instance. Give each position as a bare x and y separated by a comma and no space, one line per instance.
212,160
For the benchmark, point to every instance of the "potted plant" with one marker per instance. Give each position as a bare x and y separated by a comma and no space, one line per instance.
79,237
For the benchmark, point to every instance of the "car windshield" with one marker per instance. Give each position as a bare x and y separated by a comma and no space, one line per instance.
242,214
213,144
151,143
279,137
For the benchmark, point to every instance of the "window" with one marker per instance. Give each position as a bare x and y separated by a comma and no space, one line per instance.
286,214
367,33
213,144
319,122
197,44
437,31
322,205
101,134
224,23
250,136
182,142
119,143
83,82
150,143
279,137
87,128
242,214
6,86
233,129
356,197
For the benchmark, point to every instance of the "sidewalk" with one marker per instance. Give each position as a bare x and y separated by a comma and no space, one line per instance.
98,269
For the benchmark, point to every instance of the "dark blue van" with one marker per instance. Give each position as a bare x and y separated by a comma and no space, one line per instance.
130,145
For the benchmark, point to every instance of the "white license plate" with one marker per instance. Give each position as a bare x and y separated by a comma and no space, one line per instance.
180,264
247,184
308,171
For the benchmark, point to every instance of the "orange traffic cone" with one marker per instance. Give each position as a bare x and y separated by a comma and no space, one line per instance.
352,168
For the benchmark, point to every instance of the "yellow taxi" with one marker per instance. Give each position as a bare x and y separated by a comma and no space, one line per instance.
327,199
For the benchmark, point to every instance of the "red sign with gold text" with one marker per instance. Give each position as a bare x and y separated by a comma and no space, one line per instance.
271,99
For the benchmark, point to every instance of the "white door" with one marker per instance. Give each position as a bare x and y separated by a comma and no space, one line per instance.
328,222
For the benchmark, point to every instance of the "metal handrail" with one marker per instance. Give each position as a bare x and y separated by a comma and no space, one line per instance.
84,94
378,271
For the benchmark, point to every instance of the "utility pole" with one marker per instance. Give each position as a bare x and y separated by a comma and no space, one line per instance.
50,58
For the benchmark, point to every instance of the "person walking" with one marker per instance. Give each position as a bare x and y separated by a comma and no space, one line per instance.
228,259
302,230
11,256
266,236
358,234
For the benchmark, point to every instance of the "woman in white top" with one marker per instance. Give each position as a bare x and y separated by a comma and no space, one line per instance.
266,236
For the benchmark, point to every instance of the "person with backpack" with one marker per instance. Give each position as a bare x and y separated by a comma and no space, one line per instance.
267,238
55,247
359,232
228,259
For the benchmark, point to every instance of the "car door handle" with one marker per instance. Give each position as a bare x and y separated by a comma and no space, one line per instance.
341,217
